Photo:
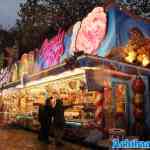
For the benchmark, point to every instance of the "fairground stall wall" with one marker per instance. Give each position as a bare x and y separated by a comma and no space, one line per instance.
95,65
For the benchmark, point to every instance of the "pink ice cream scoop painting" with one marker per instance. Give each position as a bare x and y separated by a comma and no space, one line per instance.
92,31
52,50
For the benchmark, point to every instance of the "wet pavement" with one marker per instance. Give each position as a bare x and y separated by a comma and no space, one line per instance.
17,139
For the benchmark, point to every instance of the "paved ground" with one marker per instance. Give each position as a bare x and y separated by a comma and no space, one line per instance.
16,139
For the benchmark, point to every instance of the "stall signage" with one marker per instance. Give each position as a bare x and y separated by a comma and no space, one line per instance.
92,31
51,51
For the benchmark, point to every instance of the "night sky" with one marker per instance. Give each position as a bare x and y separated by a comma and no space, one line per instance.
8,12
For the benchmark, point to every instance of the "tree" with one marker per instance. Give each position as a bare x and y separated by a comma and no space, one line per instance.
138,7
32,25
41,18
6,40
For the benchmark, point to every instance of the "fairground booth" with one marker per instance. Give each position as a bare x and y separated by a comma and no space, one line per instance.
100,66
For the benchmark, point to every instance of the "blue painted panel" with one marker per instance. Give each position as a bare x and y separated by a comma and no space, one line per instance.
110,40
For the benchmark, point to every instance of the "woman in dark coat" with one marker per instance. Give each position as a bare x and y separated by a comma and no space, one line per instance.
45,119
58,121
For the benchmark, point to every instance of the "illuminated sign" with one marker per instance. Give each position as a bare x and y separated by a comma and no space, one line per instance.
51,51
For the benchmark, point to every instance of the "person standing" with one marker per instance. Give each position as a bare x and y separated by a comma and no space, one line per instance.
45,119
58,122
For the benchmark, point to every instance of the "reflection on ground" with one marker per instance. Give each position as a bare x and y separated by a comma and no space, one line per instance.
16,139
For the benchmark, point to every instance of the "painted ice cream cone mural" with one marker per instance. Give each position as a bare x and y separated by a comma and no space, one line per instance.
92,31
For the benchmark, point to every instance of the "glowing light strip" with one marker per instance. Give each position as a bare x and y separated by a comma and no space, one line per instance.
66,74
10,113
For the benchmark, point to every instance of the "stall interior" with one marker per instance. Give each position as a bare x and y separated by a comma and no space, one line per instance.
21,104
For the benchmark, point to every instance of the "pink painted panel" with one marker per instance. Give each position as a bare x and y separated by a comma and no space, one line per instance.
52,50
92,31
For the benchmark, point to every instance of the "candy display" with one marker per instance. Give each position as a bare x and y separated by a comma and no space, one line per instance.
87,106
22,103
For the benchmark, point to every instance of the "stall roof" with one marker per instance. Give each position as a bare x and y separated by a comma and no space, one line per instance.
117,65
86,61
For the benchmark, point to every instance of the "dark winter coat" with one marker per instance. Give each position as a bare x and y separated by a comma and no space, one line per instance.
45,115
58,113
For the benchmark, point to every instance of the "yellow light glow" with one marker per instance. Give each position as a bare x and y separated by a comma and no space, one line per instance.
145,61
131,56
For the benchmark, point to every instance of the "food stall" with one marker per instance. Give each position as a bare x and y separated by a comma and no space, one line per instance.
80,87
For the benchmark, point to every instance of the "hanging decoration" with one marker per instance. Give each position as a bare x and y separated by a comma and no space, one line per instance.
138,85
138,88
